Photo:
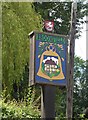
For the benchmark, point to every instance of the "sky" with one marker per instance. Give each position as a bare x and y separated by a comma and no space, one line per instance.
80,44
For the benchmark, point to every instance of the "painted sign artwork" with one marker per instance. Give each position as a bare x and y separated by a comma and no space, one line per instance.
50,59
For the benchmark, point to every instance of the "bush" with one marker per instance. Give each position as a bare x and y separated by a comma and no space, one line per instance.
18,110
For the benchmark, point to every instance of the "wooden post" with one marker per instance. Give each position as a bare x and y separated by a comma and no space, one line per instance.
71,63
48,102
86,37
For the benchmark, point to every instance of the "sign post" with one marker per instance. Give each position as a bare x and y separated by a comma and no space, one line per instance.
48,92
71,63
48,67
48,102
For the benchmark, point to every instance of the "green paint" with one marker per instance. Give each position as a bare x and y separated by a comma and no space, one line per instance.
52,74
50,38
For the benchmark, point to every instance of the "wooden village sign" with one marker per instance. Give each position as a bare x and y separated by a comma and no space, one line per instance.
48,58
48,65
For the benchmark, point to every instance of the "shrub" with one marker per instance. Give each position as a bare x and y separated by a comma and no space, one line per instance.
18,110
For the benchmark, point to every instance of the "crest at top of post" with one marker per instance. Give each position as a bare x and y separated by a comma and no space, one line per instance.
49,25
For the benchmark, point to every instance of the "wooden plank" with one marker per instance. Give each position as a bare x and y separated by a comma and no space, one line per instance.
48,102
32,58
71,64
47,33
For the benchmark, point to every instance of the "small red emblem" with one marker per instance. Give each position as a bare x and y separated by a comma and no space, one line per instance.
49,25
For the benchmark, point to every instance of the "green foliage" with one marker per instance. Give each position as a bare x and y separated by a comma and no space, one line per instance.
80,100
60,12
18,20
82,117
80,95
60,103
0,66
19,110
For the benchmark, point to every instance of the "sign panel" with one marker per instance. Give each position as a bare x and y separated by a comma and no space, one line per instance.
50,59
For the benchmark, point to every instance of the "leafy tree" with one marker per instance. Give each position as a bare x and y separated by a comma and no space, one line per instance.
60,12
60,103
80,94
80,86
18,19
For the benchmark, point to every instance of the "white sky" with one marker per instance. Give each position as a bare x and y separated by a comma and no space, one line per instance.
80,44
